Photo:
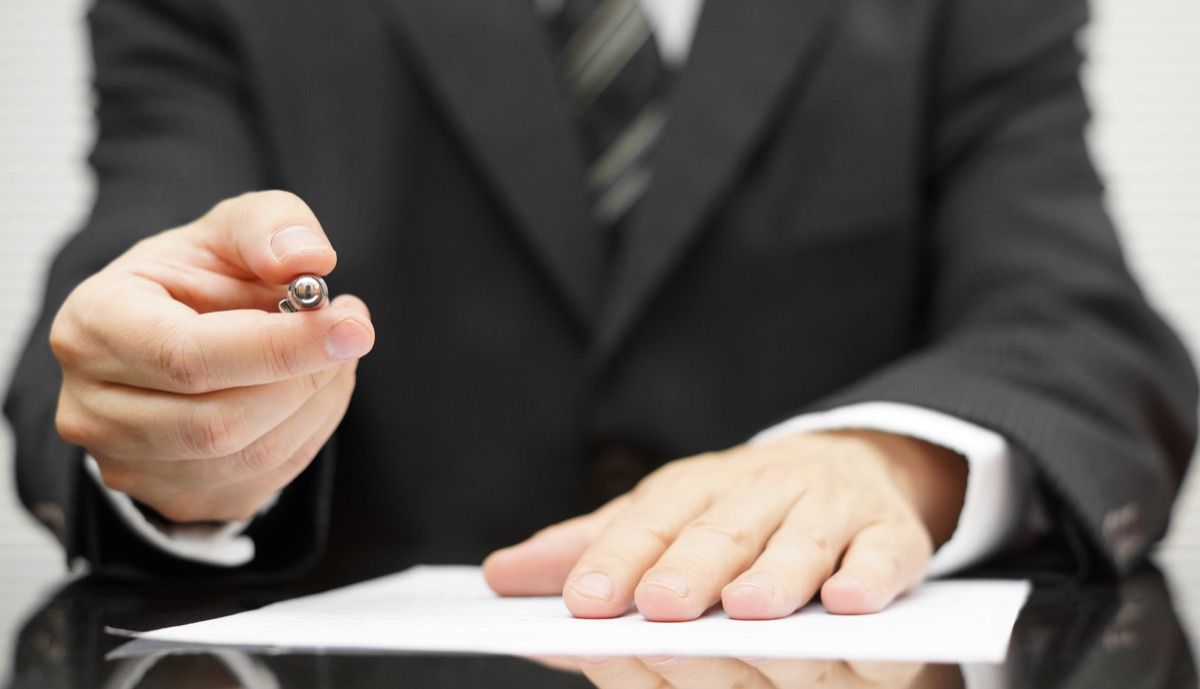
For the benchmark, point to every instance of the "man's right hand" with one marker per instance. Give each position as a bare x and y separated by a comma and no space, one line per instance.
195,396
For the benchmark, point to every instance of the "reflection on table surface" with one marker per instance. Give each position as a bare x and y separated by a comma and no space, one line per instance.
1113,635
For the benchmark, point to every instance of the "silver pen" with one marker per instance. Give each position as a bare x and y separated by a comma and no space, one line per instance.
306,293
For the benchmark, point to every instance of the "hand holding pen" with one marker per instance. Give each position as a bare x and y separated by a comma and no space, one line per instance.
195,396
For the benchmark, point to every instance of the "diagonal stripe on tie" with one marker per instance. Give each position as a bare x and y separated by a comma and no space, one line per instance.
596,30
616,201
597,73
630,146
614,79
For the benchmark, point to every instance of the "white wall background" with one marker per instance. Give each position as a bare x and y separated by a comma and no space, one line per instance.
1144,76
44,190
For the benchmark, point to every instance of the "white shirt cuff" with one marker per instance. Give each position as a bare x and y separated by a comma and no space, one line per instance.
220,545
993,496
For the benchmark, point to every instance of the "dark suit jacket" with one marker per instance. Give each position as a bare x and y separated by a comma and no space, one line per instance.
854,200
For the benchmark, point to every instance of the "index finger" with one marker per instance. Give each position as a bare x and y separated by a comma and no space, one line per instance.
174,349
603,580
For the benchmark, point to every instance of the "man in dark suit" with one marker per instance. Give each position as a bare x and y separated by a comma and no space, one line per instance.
865,234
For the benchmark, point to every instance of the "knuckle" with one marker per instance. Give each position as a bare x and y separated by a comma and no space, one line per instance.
64,340
183,364
211,431
707,461
816,542
258,458
147,244
668,476
72,426
272,207
731,535
650,527
553,532
282,354
227,205
311,384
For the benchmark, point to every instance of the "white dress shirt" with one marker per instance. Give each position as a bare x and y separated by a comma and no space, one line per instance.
993,494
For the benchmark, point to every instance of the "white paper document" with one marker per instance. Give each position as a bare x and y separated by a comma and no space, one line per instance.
451,609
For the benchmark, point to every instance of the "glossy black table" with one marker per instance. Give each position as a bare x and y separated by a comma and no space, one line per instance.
1125,635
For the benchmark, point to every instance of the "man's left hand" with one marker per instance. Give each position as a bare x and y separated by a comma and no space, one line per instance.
853,515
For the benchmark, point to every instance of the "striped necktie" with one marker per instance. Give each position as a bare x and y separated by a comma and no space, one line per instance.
615,83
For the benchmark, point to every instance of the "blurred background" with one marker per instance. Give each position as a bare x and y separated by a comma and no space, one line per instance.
1143,75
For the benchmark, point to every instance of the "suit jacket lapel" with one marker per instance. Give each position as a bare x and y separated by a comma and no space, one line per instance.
744,56
489,63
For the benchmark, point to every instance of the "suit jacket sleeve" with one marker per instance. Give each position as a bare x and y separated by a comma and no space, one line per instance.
1036,328
176,135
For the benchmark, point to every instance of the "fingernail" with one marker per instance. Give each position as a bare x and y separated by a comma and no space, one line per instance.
760,582
856,584
594,585
348,339
295,239
672,581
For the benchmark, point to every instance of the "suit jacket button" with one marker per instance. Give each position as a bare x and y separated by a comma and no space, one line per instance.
613,469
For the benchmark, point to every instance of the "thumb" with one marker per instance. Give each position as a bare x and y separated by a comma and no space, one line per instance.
539,565
271,235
